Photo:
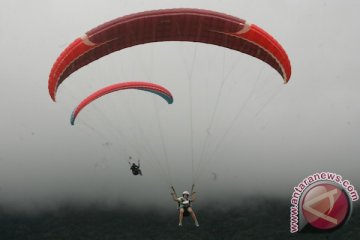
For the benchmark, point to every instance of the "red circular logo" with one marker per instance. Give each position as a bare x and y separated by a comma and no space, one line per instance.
325,206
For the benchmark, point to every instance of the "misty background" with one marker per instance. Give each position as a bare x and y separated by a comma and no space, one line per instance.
252,135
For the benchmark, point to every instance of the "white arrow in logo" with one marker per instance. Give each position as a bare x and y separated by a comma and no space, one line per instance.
330,195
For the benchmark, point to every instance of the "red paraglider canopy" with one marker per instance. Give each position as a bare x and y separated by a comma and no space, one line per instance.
149,87
193,25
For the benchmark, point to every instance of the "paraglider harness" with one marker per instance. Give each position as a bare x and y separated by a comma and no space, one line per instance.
184,203
135,168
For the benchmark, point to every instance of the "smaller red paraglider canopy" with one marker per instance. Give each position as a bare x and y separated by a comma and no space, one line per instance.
145,86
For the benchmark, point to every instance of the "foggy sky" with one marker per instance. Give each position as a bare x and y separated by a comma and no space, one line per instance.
283,134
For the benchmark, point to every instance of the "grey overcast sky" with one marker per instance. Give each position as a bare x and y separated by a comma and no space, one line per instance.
282,133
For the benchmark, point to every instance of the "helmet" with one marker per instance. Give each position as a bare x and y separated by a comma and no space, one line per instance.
186,193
